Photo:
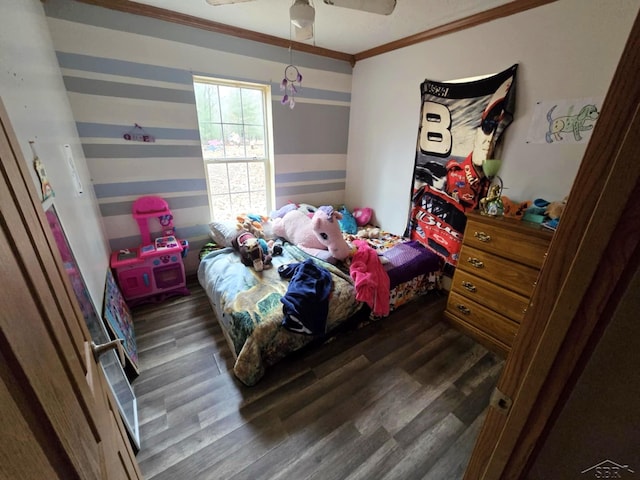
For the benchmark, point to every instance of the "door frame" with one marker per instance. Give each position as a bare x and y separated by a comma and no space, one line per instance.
590,261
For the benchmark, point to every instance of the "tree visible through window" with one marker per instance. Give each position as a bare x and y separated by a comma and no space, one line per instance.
233,123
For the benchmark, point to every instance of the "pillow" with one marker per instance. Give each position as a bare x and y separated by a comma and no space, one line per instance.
223,232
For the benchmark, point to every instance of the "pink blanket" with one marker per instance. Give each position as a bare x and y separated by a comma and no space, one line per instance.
371,280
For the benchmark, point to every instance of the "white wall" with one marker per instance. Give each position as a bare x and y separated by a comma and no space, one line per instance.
567,49
34,95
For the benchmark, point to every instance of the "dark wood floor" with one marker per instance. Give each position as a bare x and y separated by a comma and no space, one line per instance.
402,398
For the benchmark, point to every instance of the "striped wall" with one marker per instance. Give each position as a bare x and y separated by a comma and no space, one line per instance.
121,69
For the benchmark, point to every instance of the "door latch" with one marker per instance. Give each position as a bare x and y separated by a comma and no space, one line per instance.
500,401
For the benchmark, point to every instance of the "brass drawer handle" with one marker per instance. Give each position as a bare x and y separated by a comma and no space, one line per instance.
475,262
483,237
469,286
463,309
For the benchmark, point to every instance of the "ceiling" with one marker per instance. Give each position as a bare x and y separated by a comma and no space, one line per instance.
339,29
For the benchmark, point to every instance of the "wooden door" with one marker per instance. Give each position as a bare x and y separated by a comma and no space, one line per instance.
59,417
589,264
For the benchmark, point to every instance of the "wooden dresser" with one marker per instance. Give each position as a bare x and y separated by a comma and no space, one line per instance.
493,282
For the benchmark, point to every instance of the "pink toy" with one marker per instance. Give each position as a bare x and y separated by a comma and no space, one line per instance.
315,235
154,270
362,215
326,227
145,208
295,227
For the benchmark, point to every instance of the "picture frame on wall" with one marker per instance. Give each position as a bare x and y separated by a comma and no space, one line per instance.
119,321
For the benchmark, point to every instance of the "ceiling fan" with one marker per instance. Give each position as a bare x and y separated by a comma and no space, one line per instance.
302,13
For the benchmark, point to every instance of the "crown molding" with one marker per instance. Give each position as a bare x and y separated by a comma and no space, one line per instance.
495,13
196,22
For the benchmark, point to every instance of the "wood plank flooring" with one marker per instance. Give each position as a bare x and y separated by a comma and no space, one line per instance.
402,398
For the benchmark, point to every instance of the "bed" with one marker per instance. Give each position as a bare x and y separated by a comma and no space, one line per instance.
248,307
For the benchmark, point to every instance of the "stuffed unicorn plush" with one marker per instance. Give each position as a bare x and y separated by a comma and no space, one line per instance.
319,236
327,228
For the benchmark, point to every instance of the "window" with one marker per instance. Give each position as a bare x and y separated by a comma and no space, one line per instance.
234,121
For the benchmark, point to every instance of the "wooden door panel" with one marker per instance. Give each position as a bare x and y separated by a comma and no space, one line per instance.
67,417
36,360
20,454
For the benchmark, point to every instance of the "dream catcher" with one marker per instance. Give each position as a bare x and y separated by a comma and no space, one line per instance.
290,84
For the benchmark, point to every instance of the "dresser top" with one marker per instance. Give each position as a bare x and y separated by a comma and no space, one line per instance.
510,223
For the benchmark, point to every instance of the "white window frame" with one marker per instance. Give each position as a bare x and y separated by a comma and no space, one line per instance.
267,161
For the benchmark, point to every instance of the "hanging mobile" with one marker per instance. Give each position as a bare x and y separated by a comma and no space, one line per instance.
291,77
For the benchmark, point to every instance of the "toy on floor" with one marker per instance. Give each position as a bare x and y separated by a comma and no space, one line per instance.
153,271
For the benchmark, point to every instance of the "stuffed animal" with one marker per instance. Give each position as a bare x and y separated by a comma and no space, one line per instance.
369,232
307,209
347,222
319,236
295,227
514,209
251,253
253,223
326,227
362,215
282,211
554,209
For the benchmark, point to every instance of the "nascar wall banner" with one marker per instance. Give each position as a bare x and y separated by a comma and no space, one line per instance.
460,125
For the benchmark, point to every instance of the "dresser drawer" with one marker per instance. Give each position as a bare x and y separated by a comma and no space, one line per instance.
487,293
488,321
513,276
527,245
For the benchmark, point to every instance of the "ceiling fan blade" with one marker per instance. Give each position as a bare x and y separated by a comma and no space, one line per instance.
217,3
381,7
304,33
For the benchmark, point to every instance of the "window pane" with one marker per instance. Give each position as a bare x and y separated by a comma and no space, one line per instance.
238,179
256,176
221,207
234,147
230,104
218,182
259,202
207,102
240,203
255,142
211,138
252,107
